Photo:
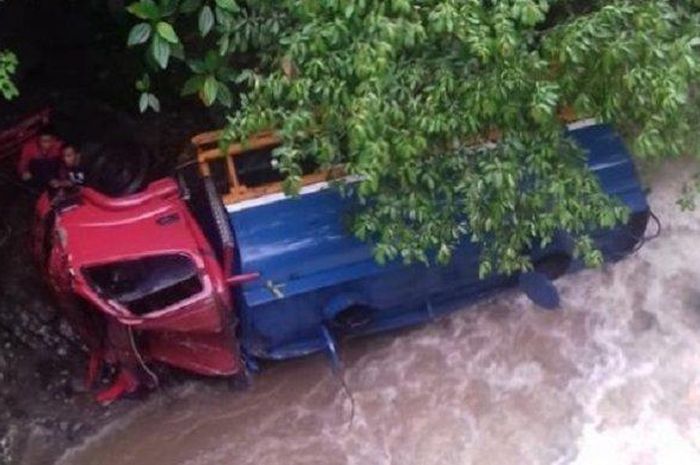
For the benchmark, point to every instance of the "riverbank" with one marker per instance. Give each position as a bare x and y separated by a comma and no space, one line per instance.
43,404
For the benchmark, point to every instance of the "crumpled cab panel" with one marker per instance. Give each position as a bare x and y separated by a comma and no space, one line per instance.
141,266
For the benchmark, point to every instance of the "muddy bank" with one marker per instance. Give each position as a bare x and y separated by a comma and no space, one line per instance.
43,405
612,378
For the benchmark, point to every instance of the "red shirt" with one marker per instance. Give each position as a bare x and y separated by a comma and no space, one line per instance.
31,150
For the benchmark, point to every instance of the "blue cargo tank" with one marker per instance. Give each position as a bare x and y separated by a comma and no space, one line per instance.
318,282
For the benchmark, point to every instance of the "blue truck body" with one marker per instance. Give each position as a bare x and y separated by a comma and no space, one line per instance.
317,281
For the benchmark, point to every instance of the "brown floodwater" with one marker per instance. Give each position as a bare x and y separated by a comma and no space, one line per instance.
612,378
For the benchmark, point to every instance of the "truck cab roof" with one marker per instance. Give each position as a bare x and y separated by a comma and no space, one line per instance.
105,229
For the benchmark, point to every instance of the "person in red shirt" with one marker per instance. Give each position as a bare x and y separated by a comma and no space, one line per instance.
40,159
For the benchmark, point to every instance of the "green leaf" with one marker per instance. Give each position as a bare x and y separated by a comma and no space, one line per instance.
8,66
168,7
143,84
166,31
212,61
206,20
8,90
190,6
229,5
143,102
192,85
224,18
144,9
224,95
153,102
349,10
160,50
401,6
209,90
196,66
139,34
245,76
178,51
223,42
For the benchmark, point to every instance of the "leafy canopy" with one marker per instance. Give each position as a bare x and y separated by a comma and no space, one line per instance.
404,93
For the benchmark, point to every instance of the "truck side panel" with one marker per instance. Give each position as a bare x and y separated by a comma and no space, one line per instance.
312,269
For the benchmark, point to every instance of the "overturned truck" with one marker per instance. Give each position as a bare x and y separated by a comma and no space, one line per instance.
217,268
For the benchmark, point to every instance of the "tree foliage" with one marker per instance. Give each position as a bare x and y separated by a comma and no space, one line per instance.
8,66
404,93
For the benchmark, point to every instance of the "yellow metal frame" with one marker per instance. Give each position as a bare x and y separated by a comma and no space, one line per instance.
207,145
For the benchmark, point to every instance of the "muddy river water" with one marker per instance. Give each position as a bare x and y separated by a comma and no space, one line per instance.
612,378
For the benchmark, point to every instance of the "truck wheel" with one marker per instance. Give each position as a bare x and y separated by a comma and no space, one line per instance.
116,168
352,318
553,265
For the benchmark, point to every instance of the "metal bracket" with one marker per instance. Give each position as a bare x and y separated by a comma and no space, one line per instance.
242,278
430,310
275,289
331,348
539,289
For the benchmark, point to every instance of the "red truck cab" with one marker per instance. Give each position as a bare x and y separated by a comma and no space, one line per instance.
139,281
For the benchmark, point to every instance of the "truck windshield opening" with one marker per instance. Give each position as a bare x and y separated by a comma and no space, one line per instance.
146,284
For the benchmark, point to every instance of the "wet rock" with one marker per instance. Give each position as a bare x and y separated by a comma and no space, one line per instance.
63,426
66,331
692,301
75,430
75,385
8,440
18,413
43,312
45,370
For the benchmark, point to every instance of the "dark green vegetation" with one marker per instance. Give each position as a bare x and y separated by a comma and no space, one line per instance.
8,66
402,93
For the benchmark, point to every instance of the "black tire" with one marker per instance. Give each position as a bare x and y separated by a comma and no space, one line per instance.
553,265
352,318
117,168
